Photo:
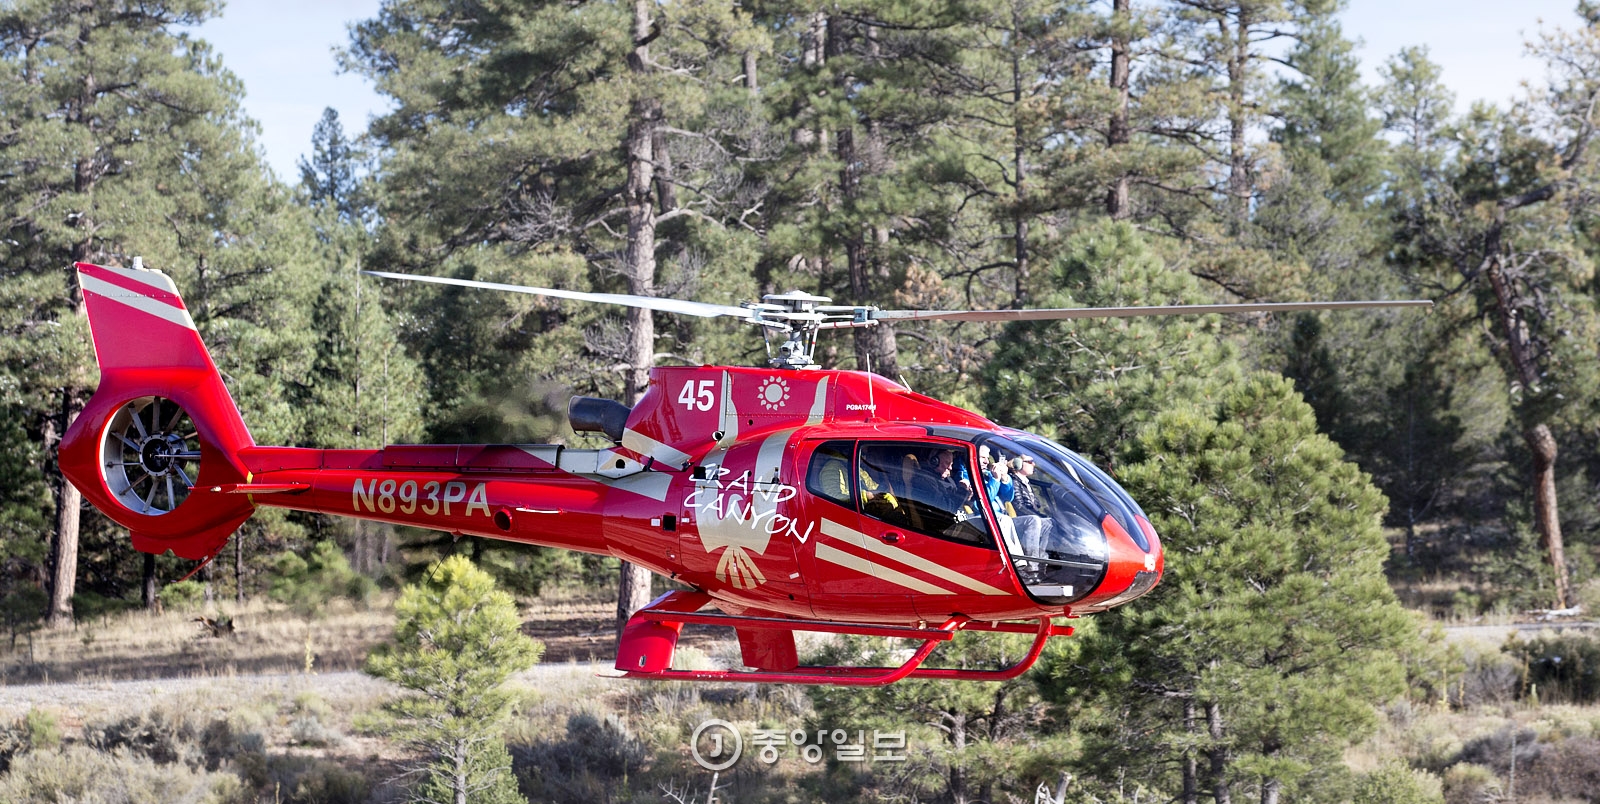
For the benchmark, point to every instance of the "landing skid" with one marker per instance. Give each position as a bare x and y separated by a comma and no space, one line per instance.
767,643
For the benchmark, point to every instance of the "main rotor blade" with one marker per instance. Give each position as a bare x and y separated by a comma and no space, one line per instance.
701,309
1050,314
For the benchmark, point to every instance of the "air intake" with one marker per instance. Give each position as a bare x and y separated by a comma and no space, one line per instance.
588,414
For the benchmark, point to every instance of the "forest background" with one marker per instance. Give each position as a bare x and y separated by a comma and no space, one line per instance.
906,154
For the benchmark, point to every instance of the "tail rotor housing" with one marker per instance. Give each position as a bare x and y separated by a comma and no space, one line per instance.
157,448
150,455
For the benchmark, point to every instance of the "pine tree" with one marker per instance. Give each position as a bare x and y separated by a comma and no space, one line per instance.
555,128
121,135
1494,215
1093,383
330,174
456,642
1267,647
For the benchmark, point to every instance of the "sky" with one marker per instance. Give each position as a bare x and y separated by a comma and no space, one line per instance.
283,50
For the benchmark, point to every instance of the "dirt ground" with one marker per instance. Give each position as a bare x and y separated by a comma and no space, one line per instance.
586,632
269,641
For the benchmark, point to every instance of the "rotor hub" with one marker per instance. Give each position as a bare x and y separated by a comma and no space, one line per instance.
158,453
800,316
150,455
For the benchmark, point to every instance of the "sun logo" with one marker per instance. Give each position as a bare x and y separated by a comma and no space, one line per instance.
774,393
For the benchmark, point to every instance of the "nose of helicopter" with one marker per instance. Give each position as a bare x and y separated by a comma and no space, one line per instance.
1134,564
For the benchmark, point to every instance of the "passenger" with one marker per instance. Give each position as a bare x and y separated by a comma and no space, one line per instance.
997,483
1034,531
834,479
1025,499
877,498
947,490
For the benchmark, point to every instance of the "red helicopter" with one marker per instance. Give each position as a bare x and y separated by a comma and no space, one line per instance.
789,498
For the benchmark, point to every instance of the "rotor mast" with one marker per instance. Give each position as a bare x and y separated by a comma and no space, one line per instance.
799,316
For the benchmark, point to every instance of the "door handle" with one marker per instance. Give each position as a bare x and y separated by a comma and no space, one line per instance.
891,537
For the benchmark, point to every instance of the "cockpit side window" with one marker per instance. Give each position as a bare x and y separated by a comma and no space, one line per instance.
921,487
829,474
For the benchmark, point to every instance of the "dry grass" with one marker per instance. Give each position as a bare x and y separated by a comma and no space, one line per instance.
138,645
576,624
1454,744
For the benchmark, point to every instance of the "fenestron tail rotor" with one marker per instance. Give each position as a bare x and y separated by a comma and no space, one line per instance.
800,316
150,455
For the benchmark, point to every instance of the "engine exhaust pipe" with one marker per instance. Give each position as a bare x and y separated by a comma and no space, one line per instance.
589,414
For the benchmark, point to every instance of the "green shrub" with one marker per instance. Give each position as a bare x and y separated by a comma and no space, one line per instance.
44,734
585,765
1488,678
35,731
1563,667
22,611
327,783
1471,784
308,719
1498,750
183,595
1589,598
1566,771
81,774
1395,783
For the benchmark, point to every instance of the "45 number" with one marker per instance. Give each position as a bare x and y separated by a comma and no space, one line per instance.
699,395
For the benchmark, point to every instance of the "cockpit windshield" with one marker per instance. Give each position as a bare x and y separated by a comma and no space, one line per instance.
1051,524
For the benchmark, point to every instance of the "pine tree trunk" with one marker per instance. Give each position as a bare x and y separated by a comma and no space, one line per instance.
1118,133
813,55
461,782
1019,148
1547,516
860,152
751,78
1191,765
238,568
633,584
1238,156
1271,790
148,597
69,501
64,545
1221,791
1521,351
958,743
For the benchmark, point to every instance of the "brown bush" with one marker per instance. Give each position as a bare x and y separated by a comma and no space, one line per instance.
1567,770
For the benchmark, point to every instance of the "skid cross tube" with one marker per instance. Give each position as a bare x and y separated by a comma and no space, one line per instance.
859,676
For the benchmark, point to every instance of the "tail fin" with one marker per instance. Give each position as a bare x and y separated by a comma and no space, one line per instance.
161,432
